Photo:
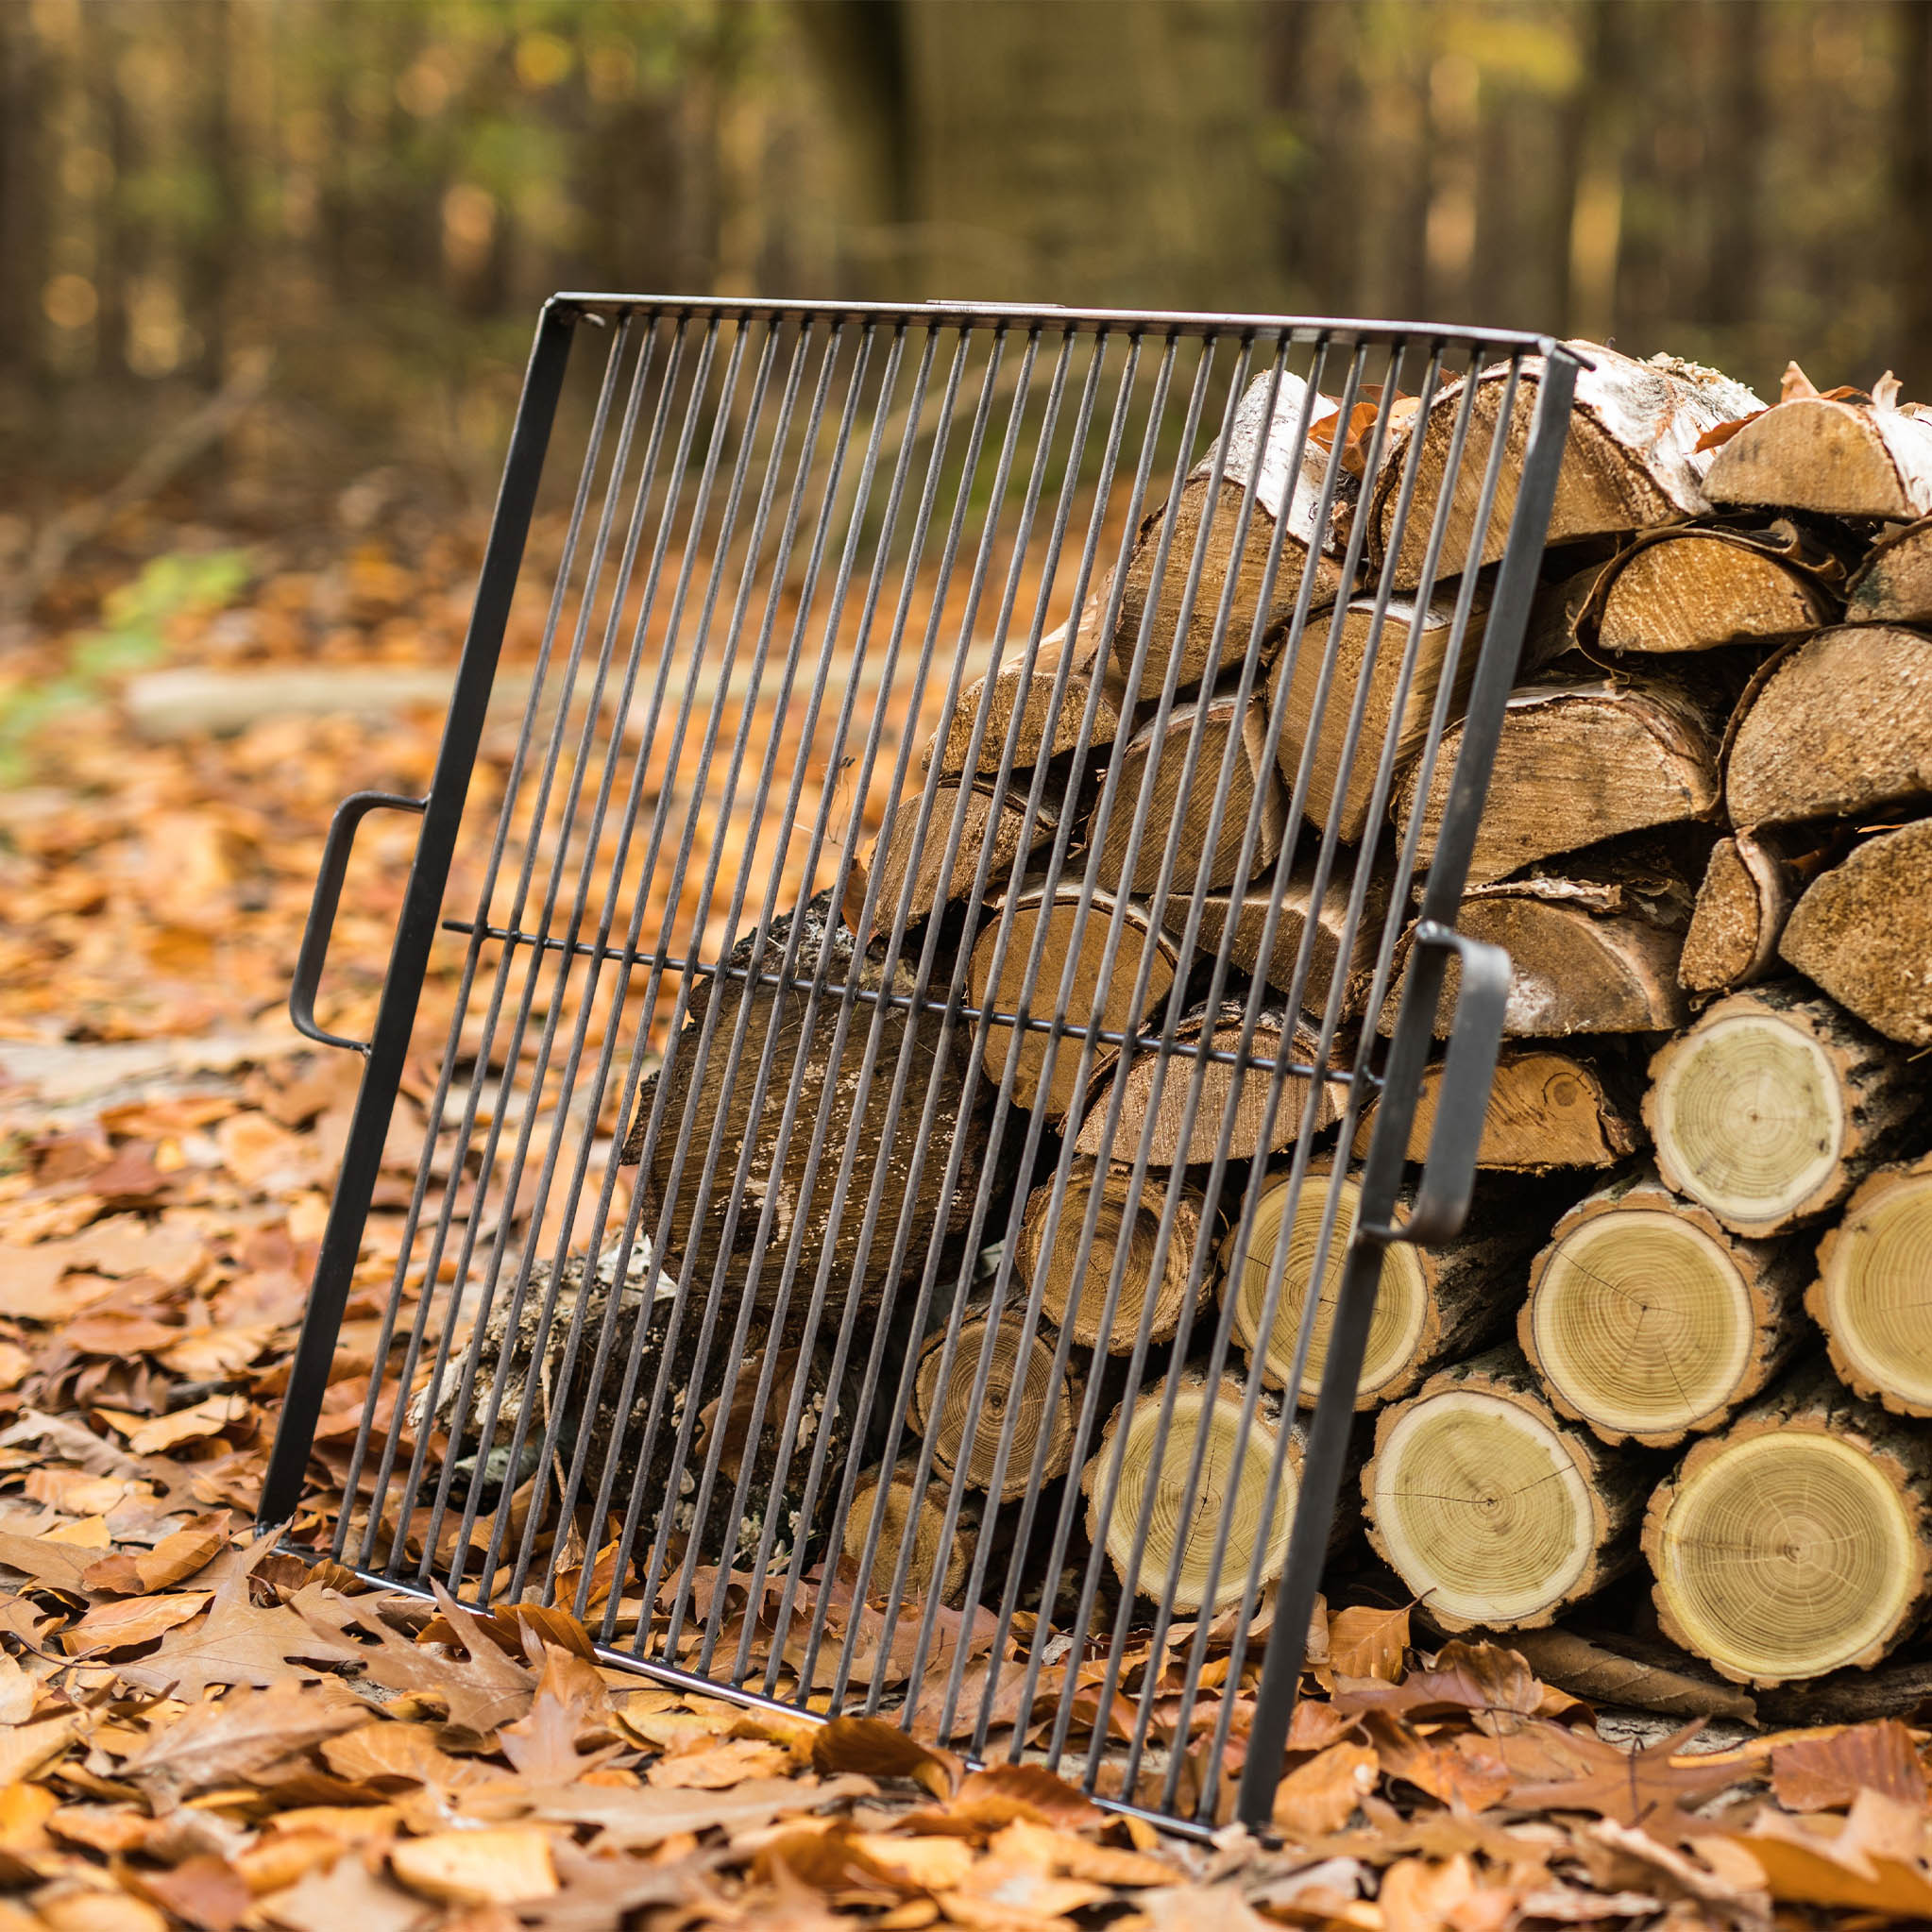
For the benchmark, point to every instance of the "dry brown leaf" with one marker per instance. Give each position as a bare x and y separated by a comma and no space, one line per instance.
205,1890
343,1893
719,1766
130,1620
1005,1792
1320,1796
406,1753
26,1749
475,1866
640,1817
238,1738
1827,1772
876,1749
1367,1642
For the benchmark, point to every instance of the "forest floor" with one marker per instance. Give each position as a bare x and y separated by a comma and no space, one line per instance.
200,1728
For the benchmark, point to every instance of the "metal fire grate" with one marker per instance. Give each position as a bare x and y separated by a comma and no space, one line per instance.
930,908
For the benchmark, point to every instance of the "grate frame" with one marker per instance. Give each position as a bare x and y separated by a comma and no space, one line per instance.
809,364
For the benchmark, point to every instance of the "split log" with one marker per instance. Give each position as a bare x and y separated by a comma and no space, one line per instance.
1232,1490
1430,1303
1018,1380
1098,996
1260,449
1832,727
933,885
1587,955
1073,1294
1649,748
1648,1321
1748,889
1863,931
1631,461
1045,730
1496,1514
1773,1107
1797,1542
1246,1089
1547,1109
1869,1294
1348,672
1831,457
1330,919
1693,590
1191,808
716,1095
1895,586
911,1515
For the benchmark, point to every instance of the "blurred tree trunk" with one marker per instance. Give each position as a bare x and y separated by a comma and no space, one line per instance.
24,198
103,40
1912,195
1735,144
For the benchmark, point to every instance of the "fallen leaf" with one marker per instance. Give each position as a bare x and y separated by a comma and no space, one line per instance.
405,1753
476,1866
1005,1792
1366,1642
1827,1772
1636,1788
26,1749
1320,1796
346,1893
719,1766
641,1817
238,1738
130,1620
880,1750
205,1890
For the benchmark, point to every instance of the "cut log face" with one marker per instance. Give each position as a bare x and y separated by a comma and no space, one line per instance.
1582,959
1648,1321
1429,1303
1232,1491
1099,996
1246,1089
1349,673
1547,1109
1772,1107
1836,459
932,1559
1738,917
1895,585
1832,727
1330,919
1694,589
1797,1542
1631,460
933,884
1649,748
1495,1513
1869,1294
1863,931
1259,452
1192,805
1074,1293
1024,681
1018,1379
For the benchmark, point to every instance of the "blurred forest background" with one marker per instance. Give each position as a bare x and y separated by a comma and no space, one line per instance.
382,191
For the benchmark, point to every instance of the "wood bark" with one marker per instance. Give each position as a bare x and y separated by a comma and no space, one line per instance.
1024,682
1190,804
1694,589
1649,746
1330,921
1495,1513
1832,458
1019,1381
1547,1109
1833,726
716,1094
1868,1296
1797,1542
1863,931
1258,458
1895,584
1072,1292
1773,1107
1631,461
1648,1321
1178,1549
1339,645
1746,896
911,1515
1430,1303
1224,1088
1099,996
1587,955
923,860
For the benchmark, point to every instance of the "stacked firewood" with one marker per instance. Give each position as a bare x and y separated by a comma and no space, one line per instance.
1689,1323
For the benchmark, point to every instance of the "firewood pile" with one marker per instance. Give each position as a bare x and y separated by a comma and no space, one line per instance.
1688,1325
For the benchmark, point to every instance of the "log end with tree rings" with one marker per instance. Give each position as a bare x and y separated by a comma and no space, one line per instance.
1795,1543
1402,1305
910,1515
1495,1513
907,857
1648,1321
1098,989
1073,1294
1019,1385
1182,1528
1870,1293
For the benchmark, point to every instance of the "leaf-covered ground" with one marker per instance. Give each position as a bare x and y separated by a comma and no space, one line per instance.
199,1728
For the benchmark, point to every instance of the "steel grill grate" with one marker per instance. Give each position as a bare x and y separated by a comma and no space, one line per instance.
901,844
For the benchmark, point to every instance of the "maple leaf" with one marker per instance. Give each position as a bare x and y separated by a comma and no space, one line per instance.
1647,1786
247,1735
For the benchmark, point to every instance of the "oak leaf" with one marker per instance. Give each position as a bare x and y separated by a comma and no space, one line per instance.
1826,1772
238,1739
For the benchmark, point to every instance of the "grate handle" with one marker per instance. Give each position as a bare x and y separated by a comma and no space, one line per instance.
1461,1102
349,814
